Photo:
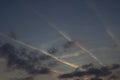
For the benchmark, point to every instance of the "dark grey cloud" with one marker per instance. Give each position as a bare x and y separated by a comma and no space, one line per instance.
98,72
23,60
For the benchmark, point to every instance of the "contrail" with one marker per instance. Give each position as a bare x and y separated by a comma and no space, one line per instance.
60,32
70,55
52,25
78,53
113,36
102,18
90,53
79,46
44,52
68,38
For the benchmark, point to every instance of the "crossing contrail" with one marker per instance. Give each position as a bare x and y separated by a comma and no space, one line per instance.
61,32
44,52
90,53
78,53
102,18
68,38
78,45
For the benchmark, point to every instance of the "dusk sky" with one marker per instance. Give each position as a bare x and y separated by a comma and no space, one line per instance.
86,21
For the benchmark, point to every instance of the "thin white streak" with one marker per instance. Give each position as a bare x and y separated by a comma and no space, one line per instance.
44,52
117,41
81,47
81,51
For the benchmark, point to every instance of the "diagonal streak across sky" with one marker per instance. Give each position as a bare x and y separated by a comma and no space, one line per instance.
44,52
69,38
78,45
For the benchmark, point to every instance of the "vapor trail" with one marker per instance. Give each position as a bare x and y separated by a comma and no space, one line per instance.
52,25
81,51
78,45
90,53
68,38
61,32
70,55
44,52
113,36
104,21
78,53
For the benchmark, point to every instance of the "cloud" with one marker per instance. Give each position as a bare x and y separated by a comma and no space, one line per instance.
115,66
97,72
18,59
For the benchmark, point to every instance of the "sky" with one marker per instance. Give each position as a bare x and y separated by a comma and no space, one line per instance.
86,21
